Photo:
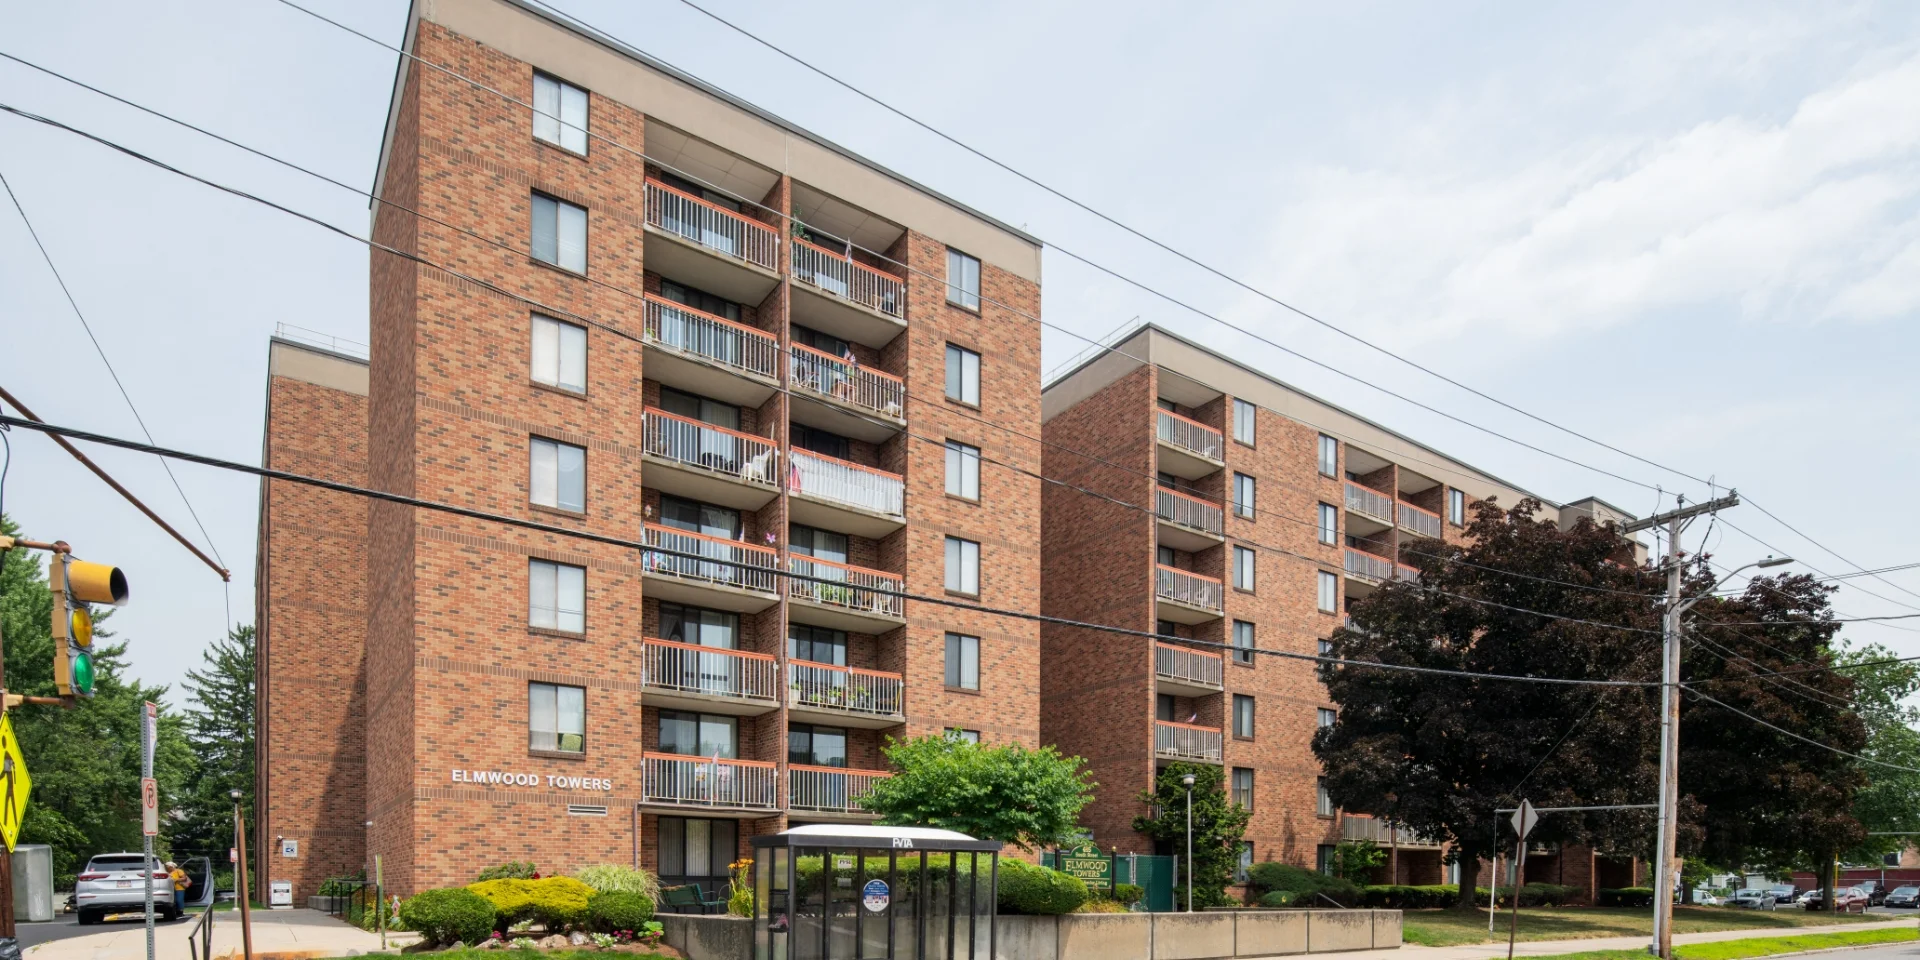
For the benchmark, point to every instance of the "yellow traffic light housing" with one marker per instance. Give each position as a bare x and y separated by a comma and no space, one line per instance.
76,583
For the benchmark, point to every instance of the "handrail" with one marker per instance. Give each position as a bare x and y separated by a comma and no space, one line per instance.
850,689
734,563
1189,573
847,278
848,770
719,651
757,243
1185,663
863,367
803,451
702,314
853,567
1366,500
1411,506
837,668
834,789
1182,493
1188,434
1176,416
1421,521
741,544
715,671
200,935
829,376
724,761
702,424
1377,556
1188,510
874,591
1188,726
861,487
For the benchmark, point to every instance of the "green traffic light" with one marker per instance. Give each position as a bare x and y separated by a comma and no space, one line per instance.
83,673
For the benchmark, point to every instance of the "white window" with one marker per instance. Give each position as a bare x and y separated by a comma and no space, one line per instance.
556,596
556,718
963,566
963,280
1329,456
1242,866
559,113
963,470
1329,591
559,354
1243,792
1242,495
1329,523
1323,805
1242,716
963,662
963,375
559,475
1243,421
1326,717
1242,642
1243,568
559,233
1457,507
1326,646
963,736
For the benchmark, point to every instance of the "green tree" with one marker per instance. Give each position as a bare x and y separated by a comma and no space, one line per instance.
1890,801
221,731
1004,792
1218,825
1354,860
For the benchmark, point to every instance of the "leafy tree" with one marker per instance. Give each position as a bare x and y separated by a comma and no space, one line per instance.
1218,824
1004,792
1890,802
221,731
1354,860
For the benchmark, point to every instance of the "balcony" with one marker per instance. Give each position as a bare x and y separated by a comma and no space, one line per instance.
833,294
845,398
708,246
709,355
1187,522
1185,672
845,696
836,495
1185,741
705,462
1386,833
708,783
856,599
1369,567
1189,449
1419,522
708,678
1183,596
830,790
732,576
1369,503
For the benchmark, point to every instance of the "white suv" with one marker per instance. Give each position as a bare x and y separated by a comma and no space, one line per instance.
112,883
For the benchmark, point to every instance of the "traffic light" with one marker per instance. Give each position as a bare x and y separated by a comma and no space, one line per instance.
75,584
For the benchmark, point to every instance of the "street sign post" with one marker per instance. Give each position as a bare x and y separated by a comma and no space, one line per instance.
149,807
15,783
1523,822
149,816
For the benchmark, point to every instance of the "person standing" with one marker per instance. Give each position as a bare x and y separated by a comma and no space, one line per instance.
179,878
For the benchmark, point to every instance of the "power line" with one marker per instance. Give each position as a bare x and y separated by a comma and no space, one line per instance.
1860,569
1737,529
1778,729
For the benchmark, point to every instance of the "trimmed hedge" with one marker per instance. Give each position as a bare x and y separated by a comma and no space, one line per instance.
1128,894
555,902
448,916
1627,897
1039,891
1300,885
1413,897
618,910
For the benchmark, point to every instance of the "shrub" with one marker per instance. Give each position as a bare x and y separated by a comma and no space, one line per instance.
1101,905
614,878
1127,894
1304,885
1404,897
1276,898
555,902
1627,897
448,916
619,910
511,870
1039,891
1545,894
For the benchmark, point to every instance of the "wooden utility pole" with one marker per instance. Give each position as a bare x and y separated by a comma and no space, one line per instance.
240,891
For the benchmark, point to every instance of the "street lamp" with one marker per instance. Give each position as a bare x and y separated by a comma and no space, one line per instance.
240,892
1187,781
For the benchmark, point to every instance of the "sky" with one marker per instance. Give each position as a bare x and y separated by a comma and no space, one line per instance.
1689,232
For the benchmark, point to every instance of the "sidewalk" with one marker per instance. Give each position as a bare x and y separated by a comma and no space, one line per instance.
1540,948
277,935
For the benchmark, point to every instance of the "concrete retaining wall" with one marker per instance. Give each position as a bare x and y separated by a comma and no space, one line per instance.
708,937
1213,935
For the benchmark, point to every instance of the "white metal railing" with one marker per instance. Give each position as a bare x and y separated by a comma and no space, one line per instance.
1363,564
689,668
718,339
712,226
834,377
725,562
1187,434
1187,511
1403,572
1369,502
829,789
709,782
1383,832
846,279
325,341
1419,521
1188,666
739,455
851,587
871,692
1186,741
1185,586
817,475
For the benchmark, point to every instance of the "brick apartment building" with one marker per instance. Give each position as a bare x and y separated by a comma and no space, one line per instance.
1199,458
717,366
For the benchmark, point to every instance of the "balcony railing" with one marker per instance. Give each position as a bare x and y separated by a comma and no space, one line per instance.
850,587
1185,586
712,226
829,789
1188,666
848,280
850,689
726,562
710,782
1187,434
688,668
730,452
700,334
1367,566
1403,572
1369,502
1186,741
832,376
1382,832
1187,511
1423,522
868,489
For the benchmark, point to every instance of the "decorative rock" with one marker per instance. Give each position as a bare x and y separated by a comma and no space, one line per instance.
578,939
555,942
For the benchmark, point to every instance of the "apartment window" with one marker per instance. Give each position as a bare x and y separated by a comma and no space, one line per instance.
1457,507
699,734
1323,856
963,566
964,736
1243,642
1322,804
1329,456
559,113
1243,716
963,375
1329,591
556,718
1243,495
1164,556
816,644
813,746
963,280
559,233
963,662
559,354
699,300
1163,707
699,626
1326,646
1242,568
1243,421
696,849
1244,865
1243,787
1326,718
818,544
1329,523
963,470
1166,628
556,596
558,475
696,407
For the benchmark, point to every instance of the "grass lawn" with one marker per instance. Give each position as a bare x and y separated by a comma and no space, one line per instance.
1449,928
1757,947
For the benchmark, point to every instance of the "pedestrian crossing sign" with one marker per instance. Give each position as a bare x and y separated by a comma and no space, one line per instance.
15,783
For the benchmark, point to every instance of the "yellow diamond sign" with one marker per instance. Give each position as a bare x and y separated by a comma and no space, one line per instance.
15,784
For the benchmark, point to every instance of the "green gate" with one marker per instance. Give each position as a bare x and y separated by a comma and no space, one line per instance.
1153,873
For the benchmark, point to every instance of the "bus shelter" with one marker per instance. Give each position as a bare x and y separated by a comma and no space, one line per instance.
858,892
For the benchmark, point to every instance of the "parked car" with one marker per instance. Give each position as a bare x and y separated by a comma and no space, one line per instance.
1785,895
1903,897
112,883
1875,893
1753,898
1845,900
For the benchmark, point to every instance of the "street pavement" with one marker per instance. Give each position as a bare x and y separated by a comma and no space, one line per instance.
1541,948
277,935
67,925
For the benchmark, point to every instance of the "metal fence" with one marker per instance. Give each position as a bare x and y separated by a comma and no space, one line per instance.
709,782
712,226
877,491
1187,587
846,279
1188,511
825,686
851,587
689,668
1188,434
1190,666
834,377
718,339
